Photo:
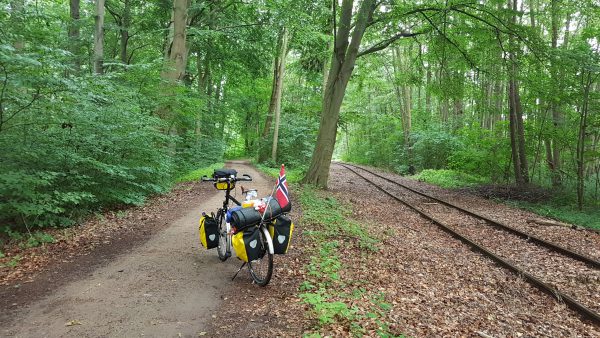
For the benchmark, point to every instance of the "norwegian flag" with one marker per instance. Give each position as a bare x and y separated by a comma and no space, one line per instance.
281,189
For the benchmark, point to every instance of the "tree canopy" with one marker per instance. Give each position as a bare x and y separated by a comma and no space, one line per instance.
104,103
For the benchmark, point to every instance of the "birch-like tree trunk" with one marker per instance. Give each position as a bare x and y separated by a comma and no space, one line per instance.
282,57
275,91
99,37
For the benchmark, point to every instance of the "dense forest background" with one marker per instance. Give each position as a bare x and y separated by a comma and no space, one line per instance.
103,103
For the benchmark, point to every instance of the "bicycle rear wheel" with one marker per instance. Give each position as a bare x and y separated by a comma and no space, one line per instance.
261,269
222,246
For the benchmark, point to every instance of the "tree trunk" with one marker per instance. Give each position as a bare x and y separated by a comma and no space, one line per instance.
282,57
344,56
513,134
587,82
99,37
178,51
428,92
517,130
553,155
74,35
125,25
275,91
524,167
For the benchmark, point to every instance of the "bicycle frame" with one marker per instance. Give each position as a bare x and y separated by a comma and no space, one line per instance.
262,226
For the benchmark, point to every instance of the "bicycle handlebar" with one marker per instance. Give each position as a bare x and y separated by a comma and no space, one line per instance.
226,179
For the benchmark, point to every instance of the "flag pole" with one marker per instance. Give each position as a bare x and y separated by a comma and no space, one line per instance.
269,200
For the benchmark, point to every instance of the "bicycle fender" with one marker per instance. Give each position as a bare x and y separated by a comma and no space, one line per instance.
269,240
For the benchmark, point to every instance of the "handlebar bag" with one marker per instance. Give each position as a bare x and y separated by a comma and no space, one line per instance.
247,244
281,232
209,232
225,172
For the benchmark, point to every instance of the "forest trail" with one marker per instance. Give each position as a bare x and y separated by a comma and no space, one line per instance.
166,287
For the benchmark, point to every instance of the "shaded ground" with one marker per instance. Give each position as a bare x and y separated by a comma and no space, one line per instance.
435,285
144,276
154,280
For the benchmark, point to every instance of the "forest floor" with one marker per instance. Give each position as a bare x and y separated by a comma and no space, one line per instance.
359,264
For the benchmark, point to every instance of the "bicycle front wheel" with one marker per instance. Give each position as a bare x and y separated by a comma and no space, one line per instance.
261,269
222,246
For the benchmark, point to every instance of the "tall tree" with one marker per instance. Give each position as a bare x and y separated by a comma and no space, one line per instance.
517,130
280,74
99,37
177,51
347,41
74,34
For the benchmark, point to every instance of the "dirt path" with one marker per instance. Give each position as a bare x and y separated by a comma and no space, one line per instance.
167,287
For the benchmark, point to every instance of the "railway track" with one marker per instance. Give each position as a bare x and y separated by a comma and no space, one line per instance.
514,249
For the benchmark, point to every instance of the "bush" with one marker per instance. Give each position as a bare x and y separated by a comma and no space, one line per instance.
449,178
433,149
90,142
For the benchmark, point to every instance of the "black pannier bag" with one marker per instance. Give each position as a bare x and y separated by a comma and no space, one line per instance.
225,172
281,232
246,217
209,232
247,244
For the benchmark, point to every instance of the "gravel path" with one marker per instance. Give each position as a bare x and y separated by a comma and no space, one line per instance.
168,286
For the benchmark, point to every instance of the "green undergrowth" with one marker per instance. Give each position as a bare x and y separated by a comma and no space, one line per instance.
333,301
561,209
22,241
293,175
195,175
447,178
588,218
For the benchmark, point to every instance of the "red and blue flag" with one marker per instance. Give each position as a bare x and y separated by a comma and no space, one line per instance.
281,189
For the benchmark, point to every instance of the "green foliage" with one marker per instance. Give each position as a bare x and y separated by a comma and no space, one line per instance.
14,261
293,175
447,178
483,153
432,149
589,218
195,175
328,296
36,239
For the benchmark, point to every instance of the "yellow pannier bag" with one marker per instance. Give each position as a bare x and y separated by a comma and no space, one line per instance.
247,244
281,232
209,232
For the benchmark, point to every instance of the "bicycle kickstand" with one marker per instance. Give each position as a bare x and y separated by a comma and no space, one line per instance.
240,269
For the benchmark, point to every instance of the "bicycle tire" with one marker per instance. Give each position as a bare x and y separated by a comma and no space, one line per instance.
222,246
261,270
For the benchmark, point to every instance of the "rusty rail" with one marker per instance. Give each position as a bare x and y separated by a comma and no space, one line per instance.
560,296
